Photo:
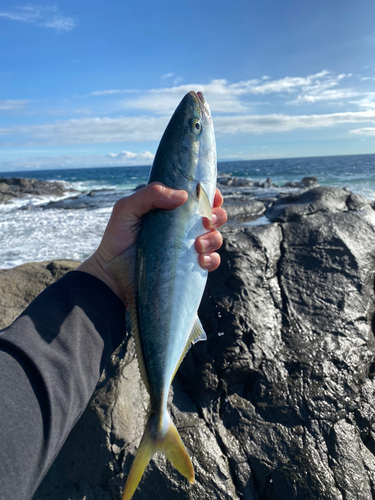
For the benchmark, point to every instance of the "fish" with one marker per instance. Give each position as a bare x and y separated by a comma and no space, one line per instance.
162,280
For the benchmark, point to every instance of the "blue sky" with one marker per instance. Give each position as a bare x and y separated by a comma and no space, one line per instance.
94,83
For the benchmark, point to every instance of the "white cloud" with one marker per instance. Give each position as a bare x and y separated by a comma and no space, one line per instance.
110,92
232,106
319,95
364,131
142,158
283,85
83,111
88,131
37,15
148,128
125,159
13,105
367,102
221,96
233,98
258,124
176,79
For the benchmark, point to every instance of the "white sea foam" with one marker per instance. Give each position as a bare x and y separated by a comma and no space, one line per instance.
37,235
261,221
30,201
30,233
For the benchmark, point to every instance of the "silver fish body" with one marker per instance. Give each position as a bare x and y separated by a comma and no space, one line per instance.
168,282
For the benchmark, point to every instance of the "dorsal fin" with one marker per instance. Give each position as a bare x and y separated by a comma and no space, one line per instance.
205,209
122,269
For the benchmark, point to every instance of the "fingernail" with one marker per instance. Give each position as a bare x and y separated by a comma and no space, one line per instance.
214,220
206,260
178,195
205,244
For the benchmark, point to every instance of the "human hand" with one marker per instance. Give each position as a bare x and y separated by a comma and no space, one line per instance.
120,233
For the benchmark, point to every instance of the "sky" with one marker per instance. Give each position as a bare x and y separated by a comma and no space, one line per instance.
93,83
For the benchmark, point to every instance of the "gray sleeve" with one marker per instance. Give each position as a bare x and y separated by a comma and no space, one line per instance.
51,358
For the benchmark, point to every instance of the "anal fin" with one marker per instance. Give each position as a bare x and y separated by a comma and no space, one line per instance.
197,333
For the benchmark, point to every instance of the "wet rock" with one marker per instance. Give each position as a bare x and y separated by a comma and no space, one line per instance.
87,200
15,187
322,198
279,402
73,203
267,183
306,182
243,208
227,180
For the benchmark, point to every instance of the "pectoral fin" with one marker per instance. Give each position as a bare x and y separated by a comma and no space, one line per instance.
205,209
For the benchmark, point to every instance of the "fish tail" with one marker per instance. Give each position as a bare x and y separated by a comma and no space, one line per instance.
156,439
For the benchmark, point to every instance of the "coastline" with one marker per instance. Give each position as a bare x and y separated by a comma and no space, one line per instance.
281,392
46,227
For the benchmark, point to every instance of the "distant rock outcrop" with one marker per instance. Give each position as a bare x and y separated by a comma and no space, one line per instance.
279,402
16,187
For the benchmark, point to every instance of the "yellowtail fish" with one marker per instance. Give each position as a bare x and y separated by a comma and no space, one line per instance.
162,280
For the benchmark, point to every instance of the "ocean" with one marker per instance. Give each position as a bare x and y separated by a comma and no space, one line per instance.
29,232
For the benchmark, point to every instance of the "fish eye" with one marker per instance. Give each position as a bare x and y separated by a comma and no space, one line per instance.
196,126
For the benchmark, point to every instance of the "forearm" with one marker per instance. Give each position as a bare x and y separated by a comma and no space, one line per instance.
51,358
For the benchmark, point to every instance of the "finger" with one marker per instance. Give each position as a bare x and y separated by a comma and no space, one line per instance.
219,217
209,261
208,242
218,199
155,195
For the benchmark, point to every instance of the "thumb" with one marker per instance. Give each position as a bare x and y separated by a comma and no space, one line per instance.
155,195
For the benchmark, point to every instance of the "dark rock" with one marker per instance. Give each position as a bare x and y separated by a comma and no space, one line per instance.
321,198
21,284
307,182
15,187
279,402
73,203
267,183
243,208
86,200
234,181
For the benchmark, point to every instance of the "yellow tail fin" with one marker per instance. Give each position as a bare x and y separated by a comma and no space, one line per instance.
156,439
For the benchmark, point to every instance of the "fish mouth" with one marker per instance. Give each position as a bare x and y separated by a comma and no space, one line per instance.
201,98
202,103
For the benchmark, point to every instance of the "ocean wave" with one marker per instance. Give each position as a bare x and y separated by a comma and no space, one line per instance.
39,235
73,230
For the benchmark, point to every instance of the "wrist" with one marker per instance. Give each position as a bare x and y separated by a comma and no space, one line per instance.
95,266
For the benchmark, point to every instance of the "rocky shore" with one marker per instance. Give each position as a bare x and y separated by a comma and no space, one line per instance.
16,187
279,403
